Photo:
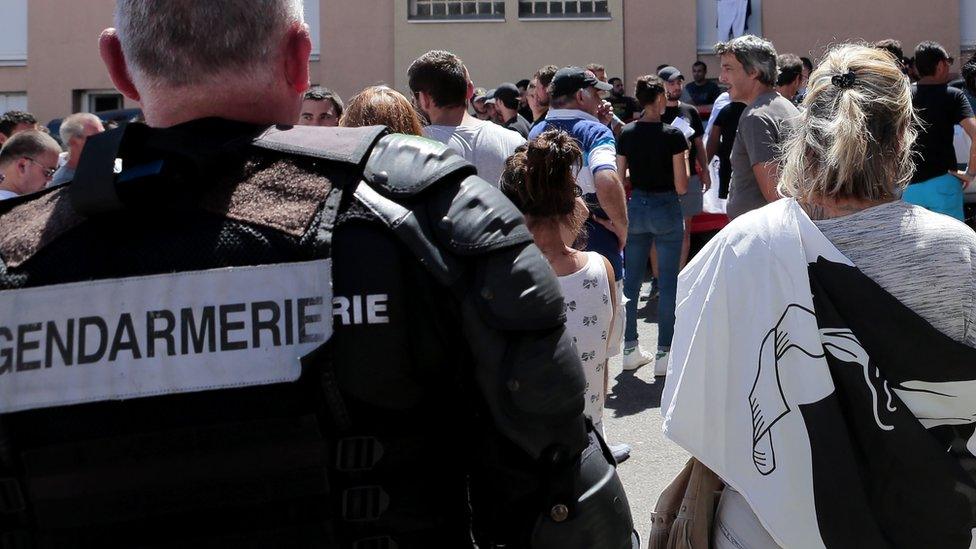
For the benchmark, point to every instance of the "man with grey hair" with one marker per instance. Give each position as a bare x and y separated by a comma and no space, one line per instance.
75,131
241,339
749,69
27,163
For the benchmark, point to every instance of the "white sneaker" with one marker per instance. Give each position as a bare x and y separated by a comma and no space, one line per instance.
635,357
661,363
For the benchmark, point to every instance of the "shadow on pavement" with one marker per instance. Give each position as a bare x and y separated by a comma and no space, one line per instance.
632,395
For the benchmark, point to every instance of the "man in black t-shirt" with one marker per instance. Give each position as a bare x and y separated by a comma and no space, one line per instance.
937,185
506,100
703,92
625,108
685,117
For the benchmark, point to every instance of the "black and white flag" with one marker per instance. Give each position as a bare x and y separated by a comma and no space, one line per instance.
843,418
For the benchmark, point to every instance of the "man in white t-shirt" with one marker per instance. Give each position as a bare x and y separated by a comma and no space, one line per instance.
28,161
440,83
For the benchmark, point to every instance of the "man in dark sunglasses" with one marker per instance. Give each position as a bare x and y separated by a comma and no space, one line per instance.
28,161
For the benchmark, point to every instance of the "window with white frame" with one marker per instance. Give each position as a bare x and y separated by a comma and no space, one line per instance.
312,19
599,9
713,12
13,33
15,101
967,22
454,10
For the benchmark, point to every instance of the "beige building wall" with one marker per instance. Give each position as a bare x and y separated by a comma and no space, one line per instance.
62,53
357,45
808,28
508,51
658,32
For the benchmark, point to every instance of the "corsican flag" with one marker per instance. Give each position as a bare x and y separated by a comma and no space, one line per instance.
843,418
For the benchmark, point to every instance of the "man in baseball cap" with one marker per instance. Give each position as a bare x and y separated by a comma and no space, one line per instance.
577,109
506,100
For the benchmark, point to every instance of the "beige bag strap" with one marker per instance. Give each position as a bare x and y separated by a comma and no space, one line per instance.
666,510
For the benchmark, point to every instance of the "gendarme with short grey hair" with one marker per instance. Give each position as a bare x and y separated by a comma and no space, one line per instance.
755,54
188,42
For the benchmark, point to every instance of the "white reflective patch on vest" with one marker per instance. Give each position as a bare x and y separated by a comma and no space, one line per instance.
155,335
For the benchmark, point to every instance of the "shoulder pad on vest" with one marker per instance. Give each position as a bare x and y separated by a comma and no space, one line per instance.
477,218
347,145
404,165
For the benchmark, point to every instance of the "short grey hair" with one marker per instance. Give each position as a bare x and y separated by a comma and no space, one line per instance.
188,42
74,125
755,54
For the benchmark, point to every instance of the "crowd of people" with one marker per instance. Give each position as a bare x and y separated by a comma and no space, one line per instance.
609,184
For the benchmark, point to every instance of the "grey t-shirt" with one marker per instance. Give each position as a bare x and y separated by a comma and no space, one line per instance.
924,259
484,144
762,127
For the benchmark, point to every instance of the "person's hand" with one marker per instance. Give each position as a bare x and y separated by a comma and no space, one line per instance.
964,178
609,225
605,112
706,180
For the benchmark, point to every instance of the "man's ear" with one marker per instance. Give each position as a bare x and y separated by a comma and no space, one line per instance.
297,52
470,91
110,50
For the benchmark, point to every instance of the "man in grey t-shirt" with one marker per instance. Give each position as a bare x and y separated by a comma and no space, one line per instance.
442,88
749,68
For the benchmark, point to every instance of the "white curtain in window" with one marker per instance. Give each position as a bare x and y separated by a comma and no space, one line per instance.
13,32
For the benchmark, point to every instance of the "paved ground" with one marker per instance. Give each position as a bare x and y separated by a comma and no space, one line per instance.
633,415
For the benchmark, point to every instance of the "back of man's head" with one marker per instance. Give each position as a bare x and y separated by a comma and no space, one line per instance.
180,43
891,46
11,119
790,68
545,75
74,126
927,57
442,75
969,75
30,144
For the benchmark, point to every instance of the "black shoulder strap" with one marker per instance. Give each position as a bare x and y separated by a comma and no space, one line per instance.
346,145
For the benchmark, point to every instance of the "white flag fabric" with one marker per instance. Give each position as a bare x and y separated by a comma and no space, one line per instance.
778,383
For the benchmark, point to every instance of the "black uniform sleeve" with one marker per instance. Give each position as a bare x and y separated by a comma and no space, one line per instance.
540,477
541,456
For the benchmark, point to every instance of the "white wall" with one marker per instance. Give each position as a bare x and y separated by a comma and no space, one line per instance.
967,22
708,23
13,32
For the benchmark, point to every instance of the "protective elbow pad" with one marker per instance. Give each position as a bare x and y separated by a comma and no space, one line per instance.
593,513
516,290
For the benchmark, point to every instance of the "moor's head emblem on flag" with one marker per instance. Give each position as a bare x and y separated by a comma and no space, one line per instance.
789,345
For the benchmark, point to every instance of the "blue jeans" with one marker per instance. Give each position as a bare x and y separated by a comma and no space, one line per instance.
654,217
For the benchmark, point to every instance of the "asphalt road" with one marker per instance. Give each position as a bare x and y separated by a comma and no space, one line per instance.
633,415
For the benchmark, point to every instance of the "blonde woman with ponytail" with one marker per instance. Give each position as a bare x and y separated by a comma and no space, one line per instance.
846,164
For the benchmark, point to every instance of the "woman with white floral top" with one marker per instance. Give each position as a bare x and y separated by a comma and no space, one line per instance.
538,178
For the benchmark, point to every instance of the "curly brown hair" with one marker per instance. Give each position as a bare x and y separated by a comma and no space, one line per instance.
540,179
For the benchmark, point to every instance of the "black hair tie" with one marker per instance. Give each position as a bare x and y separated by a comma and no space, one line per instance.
844,81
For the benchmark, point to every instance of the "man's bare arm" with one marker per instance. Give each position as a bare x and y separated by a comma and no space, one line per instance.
767,175
613,200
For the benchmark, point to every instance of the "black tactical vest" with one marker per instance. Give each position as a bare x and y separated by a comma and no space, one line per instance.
318,462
